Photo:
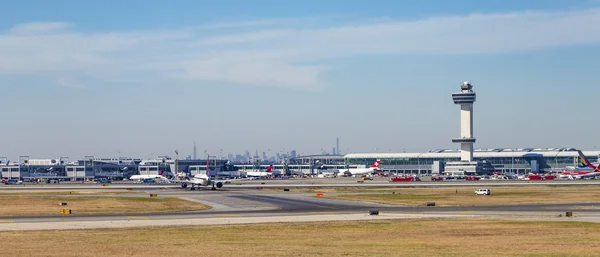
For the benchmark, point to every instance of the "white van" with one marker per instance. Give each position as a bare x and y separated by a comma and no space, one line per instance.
483,192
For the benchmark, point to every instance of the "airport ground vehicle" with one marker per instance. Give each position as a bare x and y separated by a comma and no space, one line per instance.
104,181
472,178
539,177
13,182
437,178
405,179
483,191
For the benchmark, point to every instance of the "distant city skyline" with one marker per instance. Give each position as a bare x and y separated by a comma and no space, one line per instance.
141,78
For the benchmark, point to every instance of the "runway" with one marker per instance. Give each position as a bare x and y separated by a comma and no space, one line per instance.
239,205
311,183
252,207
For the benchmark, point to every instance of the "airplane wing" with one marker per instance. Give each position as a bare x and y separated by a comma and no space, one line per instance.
224,181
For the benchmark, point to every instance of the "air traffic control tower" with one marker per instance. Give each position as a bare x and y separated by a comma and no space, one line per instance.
466,166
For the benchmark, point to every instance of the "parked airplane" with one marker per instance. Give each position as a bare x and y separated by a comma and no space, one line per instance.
587,163
266,173
588,170
361,171
142,177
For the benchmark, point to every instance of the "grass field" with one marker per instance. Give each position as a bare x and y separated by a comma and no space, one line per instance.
68,192
463,196
28,205
332,239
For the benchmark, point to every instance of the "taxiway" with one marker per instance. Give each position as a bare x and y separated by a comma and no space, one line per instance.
242,203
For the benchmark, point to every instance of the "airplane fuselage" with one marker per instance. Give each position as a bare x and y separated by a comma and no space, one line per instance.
355,172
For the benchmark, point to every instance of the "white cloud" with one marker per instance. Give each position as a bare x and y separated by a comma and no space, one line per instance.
285,55
39,27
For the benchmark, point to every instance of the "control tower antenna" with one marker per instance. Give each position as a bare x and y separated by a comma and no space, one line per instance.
465,98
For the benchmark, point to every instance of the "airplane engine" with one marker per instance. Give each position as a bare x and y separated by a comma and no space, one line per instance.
183,185
219,184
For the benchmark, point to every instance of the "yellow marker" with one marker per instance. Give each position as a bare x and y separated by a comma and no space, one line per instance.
6,221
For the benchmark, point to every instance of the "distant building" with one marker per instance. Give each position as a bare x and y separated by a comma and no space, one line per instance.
518,161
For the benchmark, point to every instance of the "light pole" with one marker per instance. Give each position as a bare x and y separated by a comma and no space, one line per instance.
176,163
419,163
512,169
556,160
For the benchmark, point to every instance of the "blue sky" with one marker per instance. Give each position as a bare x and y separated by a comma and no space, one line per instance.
144,77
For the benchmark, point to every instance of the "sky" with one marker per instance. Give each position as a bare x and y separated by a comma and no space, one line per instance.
141,78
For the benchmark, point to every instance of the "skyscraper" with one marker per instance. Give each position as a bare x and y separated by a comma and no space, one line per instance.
195,151
337,146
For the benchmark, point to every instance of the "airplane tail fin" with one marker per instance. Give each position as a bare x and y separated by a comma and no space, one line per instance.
584,160
270,168
376,164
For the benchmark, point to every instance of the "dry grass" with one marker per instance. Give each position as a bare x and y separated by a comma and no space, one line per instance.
332,239
49,205
68,192
464,196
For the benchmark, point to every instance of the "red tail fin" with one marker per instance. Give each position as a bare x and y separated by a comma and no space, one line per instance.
376,164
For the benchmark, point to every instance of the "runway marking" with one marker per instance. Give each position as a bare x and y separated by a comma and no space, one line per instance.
6,221
465,212
227,215
137,217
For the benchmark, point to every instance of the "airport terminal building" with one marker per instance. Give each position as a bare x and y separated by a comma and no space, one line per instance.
518,161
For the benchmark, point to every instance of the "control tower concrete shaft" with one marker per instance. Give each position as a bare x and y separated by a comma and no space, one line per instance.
465,98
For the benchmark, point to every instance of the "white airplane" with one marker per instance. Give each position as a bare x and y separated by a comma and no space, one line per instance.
586,170
361,171
142,177
201,179
260,173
